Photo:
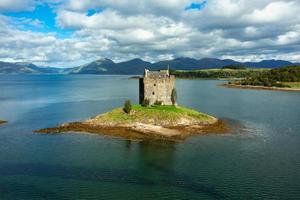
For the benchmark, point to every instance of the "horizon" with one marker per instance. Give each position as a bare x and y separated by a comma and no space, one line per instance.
117,62
68,33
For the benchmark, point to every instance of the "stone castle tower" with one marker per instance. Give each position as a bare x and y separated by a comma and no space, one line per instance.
157,86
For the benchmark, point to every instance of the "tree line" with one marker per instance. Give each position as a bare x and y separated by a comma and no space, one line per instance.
218,73
274,77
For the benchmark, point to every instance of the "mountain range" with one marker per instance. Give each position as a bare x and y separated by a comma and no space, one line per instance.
26,68
136,66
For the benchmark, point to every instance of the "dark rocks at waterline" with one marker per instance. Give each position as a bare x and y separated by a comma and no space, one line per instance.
140,132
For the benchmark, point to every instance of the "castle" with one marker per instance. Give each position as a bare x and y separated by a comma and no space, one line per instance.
156,86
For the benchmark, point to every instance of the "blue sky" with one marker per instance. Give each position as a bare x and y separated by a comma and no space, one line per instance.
45,14
196,6
69,33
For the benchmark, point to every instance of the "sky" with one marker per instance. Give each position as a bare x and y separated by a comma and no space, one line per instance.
68,33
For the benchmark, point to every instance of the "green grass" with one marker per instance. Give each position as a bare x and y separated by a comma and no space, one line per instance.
293,84
154,114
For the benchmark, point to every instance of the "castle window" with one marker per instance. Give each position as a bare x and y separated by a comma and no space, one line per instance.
153,93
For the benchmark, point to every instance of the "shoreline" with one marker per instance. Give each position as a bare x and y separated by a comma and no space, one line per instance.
146,123
253,87
2,122
139,131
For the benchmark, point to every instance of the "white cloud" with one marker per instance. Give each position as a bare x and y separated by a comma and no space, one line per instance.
16,5
291,37
275,12
154,30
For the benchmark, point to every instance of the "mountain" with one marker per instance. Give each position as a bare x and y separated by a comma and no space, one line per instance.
107,66
26,68
102,66
177,63
270,63
192,64
137,66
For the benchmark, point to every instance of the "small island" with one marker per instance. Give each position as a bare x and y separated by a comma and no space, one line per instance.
2,122
156,117
146,123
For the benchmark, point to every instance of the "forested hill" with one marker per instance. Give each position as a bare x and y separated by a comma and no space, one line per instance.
223,73
280,77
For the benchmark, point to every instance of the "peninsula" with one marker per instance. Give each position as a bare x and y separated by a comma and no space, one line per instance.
156,117
284,78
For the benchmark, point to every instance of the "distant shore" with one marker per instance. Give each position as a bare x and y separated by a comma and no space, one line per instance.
260,87
153,123
2,122
195,78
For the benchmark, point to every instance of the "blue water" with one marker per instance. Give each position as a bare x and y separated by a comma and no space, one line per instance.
259,159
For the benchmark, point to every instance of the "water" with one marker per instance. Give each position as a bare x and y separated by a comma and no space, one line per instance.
259,159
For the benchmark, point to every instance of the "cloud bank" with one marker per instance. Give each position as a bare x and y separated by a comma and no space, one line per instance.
153,30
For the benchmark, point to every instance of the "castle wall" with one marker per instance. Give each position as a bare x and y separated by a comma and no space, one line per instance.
141,90
157,89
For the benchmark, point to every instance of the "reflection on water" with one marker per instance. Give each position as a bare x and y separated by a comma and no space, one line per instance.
258,160
157,155
154,169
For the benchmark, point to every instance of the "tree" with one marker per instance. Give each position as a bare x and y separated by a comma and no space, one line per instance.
127,106
145,103
174,96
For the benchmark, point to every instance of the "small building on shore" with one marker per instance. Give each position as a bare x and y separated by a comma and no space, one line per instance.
156,86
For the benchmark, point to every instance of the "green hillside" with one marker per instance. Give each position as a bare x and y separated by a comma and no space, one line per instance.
281,77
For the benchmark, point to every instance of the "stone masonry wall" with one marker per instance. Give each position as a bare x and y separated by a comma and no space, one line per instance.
159,89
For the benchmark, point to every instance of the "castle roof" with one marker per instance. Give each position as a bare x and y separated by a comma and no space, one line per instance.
156,74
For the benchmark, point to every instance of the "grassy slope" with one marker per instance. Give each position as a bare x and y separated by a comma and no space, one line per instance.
154,114
293,84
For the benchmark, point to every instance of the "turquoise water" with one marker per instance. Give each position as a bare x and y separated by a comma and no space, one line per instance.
259,159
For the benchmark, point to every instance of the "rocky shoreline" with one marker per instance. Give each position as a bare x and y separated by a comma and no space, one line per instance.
260,87
139,131
151,123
